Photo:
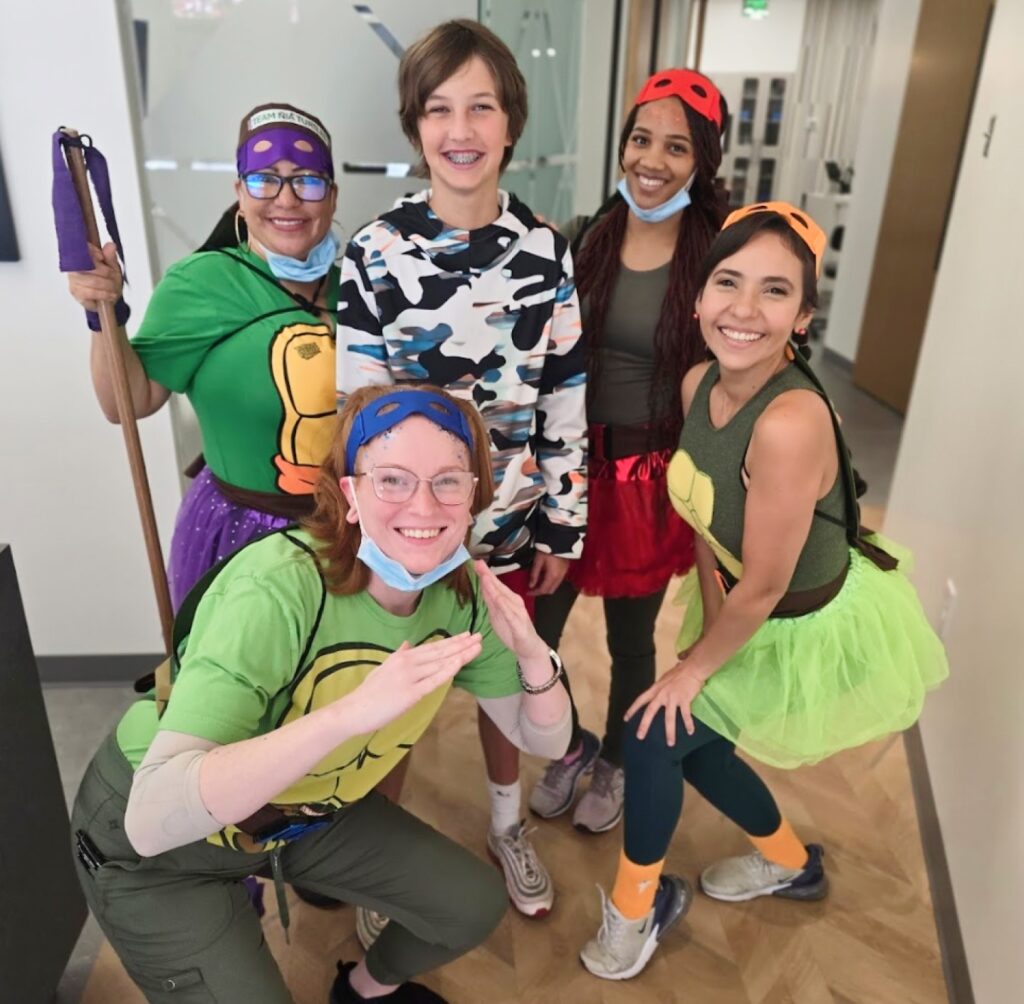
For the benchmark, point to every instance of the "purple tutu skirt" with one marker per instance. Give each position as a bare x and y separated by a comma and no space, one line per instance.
209,527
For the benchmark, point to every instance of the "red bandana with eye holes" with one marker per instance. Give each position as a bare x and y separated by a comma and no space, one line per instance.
687,85
804,227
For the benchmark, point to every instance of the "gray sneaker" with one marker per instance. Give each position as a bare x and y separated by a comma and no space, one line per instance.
623,947
750,875
369,925
555,791
601,807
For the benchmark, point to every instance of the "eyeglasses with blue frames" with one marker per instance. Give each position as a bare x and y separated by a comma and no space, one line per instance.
395,484
305,187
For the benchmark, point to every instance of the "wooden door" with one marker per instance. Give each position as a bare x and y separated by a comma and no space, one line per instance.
947,54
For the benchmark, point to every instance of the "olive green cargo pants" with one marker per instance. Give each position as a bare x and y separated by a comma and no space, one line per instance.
182,922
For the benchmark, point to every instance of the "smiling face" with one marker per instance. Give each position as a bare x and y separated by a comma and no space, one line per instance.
463,132
419,533
286,225
752,302
658,158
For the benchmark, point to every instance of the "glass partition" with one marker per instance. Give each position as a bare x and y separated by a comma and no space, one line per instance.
545,38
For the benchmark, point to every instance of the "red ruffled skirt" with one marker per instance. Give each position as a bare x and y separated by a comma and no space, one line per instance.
635,540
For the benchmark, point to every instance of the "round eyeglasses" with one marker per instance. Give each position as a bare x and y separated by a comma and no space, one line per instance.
395,484
305,187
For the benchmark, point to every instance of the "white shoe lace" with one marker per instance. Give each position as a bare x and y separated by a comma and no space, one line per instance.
522,851
613,927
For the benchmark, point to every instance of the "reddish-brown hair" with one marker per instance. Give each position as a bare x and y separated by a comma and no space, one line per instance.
338,539
678,344
441,53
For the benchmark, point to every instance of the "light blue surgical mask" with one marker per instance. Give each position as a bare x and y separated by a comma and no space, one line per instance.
670,207
317,262
394,573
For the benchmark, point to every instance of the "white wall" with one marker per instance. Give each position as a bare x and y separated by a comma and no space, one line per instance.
737,44
879,124
67,506
956,499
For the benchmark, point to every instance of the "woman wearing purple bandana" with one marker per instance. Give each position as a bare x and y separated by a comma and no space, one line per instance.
245,328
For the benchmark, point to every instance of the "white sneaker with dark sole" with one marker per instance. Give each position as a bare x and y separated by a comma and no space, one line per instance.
748,876
623,947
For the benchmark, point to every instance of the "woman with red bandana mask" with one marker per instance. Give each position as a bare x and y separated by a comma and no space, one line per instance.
636,263
245,328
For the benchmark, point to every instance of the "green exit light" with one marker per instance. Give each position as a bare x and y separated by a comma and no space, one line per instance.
756,9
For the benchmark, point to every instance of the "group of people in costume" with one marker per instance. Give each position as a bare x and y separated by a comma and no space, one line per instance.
399,455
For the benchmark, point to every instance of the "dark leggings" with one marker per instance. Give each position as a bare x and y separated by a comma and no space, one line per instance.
655,773
629,622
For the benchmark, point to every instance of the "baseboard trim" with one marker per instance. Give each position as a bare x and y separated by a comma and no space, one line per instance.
86,669
947,923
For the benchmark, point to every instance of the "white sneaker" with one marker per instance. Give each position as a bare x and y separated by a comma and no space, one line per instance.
623,947
369,925
751,875
601,807
527,880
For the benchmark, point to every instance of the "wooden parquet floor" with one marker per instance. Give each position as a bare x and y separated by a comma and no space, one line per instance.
872,941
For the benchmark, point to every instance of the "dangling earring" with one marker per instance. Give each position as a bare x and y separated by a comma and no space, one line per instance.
238,235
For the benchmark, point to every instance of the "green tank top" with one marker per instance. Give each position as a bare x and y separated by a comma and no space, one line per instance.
705,485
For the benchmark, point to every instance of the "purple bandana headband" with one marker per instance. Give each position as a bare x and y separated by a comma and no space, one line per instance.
283,134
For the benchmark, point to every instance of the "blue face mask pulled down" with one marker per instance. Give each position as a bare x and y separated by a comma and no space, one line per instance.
317,262
394,573
670,207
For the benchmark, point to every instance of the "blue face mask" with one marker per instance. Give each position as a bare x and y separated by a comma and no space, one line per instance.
676,204
317,262
394,573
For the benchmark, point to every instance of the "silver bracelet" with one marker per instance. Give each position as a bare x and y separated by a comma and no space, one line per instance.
529,688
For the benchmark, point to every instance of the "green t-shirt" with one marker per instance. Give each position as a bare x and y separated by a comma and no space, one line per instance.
258,369
261,654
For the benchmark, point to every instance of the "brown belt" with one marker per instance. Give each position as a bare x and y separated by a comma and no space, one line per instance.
800,601
293,507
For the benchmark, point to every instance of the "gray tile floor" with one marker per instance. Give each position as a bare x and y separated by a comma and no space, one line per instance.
80,716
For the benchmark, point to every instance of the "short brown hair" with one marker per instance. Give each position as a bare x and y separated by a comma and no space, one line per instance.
338,539
442,52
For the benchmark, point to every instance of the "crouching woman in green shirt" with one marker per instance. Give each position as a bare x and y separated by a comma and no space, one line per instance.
314,660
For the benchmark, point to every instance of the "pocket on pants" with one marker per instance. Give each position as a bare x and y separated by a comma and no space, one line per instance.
187,986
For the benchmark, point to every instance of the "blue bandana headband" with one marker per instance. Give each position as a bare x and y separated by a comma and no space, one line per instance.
385,412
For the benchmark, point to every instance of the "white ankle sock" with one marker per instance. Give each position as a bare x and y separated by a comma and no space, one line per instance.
506,806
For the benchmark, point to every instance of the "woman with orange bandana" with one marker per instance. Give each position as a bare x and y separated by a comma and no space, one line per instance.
801,636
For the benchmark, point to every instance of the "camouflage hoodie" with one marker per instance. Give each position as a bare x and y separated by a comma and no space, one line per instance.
492,316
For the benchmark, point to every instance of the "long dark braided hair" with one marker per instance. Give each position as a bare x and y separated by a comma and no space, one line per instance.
678,343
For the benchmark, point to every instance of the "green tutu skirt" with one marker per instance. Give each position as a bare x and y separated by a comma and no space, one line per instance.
806,687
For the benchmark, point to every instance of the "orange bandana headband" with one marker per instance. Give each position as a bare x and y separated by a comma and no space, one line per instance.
801,224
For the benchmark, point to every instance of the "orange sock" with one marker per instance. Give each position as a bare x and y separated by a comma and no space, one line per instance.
783,847
635,887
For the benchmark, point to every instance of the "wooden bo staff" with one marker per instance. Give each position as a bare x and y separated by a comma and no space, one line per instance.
114,343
